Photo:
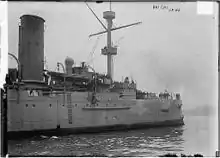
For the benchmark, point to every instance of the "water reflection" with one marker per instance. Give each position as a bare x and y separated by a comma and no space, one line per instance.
150,142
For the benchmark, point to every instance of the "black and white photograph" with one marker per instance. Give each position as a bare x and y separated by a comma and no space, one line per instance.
111,79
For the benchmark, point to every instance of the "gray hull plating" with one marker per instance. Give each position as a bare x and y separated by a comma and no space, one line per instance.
73,112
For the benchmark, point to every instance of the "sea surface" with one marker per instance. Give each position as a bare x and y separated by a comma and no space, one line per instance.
196,136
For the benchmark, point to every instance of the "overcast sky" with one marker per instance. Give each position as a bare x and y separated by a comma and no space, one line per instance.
174,50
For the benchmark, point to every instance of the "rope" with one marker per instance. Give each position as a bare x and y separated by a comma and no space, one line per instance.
94,47
93,50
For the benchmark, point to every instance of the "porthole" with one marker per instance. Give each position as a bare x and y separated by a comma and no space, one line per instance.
26,105
33,105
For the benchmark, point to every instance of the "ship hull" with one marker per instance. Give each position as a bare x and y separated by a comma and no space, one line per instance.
88,130
73,113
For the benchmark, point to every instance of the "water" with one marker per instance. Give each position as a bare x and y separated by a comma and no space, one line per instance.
194,137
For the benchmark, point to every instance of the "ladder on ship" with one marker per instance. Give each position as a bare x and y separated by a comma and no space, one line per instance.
69,107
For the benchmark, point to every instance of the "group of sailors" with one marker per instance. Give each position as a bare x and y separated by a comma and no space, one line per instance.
128,84
164,95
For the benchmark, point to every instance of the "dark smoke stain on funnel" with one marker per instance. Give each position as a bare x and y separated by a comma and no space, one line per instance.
31,47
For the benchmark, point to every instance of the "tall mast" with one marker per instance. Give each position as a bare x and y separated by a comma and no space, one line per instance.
109,50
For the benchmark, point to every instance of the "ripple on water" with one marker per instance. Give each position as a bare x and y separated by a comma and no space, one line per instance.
151,142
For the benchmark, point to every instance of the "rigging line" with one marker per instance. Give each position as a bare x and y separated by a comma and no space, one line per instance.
96,44
88,41
96,16
93,50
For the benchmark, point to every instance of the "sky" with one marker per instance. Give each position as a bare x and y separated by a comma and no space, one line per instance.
173,50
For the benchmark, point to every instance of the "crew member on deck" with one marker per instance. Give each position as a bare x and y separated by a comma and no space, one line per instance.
47,77
147,95
126,80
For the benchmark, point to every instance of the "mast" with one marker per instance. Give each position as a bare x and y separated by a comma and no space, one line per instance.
109,50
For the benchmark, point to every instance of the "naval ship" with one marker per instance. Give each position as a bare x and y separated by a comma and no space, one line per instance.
78,99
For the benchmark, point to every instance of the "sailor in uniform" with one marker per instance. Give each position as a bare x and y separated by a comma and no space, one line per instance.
47,77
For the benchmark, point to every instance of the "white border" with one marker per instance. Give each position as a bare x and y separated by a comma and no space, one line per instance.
205,8
4,42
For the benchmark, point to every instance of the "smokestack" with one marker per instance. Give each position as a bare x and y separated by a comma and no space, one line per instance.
31,47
